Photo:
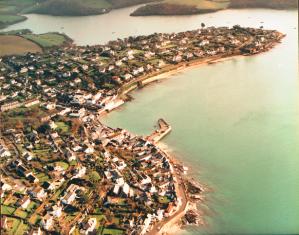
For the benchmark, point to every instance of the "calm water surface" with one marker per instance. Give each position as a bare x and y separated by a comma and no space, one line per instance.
234,123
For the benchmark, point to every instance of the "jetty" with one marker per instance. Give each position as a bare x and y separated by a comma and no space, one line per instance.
163,129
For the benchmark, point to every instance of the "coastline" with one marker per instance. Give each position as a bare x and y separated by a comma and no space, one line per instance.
183,191
173,223
157,77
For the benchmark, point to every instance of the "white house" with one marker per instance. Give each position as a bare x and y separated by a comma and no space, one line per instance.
47,222
92,222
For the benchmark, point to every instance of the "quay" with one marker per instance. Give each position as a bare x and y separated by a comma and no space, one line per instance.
163,129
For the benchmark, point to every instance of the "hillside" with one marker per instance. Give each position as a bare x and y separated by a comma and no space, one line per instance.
10,10
274,4
169,9
177,7
187,7
82,7
71,7
126,3
20,42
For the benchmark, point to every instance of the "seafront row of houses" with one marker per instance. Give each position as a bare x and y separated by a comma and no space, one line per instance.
92,75
61,169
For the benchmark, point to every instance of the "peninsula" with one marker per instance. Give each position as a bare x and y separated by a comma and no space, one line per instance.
190,7
62,170
11,12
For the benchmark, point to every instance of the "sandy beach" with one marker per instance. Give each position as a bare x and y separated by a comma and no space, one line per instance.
173,69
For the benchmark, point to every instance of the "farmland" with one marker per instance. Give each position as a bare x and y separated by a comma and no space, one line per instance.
11,45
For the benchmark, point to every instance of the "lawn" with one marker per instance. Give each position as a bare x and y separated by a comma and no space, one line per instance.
22,228
73,163
56,194
107,231
12,224
99,218
46,40
34,219
42,177
41,152
20,213
64,165
31,206
64,127
163,200
7,210
10,201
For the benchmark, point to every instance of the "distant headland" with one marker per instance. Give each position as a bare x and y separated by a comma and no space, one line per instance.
175,7
11,12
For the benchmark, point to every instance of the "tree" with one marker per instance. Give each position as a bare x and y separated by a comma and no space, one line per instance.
94,177
76,123
44,128
19,125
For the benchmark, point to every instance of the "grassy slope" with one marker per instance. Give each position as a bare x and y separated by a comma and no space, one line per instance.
177,7
46,40
9,10
275,4
174,7
23,41
201,4
81,7
126,3
8,19
71,7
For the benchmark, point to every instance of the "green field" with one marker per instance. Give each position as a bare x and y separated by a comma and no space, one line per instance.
163,200
7,210
42,177
20,213
47,40
96,3
31,206
22,228
202,4
9,10
6,19
13,225
70,7
64,165
63,127
10,19
107,231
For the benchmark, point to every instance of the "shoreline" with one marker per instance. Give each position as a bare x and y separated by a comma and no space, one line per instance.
182,192
154,78
173,223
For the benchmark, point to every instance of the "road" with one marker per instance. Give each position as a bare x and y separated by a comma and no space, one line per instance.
168,222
